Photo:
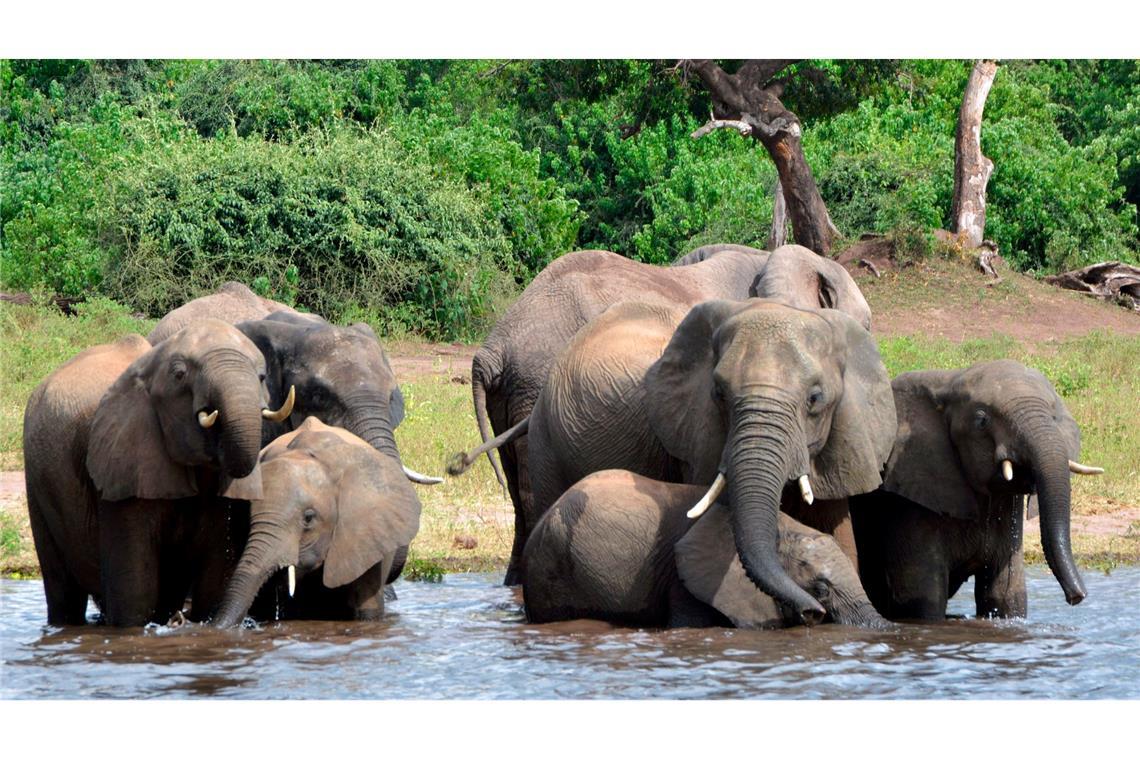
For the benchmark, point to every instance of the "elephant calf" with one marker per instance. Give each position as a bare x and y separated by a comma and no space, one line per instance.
329,502
619,547
970,444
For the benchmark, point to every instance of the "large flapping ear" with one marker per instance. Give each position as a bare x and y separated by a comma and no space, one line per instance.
247,488
709,567
924,466
679,391
863,424
126,454
377,513
274,336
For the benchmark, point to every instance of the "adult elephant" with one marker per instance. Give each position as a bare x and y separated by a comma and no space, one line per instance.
341,374
330,502
971,443
231,303
749,395
509,369
127,449
619,547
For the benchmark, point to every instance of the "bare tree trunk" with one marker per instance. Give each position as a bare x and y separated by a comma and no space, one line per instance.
779,234
749,98
972,170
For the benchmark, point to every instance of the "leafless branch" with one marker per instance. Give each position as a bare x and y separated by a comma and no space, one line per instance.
870,265
742,127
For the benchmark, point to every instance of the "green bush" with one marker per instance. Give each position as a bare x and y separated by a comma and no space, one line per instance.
360,223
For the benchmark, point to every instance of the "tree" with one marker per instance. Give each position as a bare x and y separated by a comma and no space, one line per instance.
972,170
749,101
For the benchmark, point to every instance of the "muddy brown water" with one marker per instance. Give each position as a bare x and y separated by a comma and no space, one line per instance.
467,638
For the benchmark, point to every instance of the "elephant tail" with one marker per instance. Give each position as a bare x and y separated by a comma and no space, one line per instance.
461,461
479,394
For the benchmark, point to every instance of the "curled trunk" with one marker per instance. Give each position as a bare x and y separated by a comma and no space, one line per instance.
264,554
758,468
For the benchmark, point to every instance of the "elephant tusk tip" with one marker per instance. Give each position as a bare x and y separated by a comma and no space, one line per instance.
286,408
710,496
1007,469
1084,469
805,489
207,420
292,573
419,477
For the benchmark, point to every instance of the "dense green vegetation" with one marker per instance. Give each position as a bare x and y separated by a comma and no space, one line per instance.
421,195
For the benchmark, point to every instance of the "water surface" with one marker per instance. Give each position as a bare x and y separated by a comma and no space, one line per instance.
466,638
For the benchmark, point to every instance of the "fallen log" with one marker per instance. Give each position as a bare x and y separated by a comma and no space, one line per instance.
1108,280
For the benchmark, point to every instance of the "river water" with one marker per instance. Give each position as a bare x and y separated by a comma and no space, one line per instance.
466,638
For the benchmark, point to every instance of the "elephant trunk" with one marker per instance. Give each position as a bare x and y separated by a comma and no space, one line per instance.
235,392
1050,465
759,459
266,551
369,418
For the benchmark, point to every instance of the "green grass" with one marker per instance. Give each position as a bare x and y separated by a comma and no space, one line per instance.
34,340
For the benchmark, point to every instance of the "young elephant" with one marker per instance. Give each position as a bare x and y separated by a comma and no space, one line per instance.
331,501
971,443
619,547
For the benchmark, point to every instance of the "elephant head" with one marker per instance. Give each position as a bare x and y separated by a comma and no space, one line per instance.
799,277
711,571
754,394
996,428
329,501
195,400
341,374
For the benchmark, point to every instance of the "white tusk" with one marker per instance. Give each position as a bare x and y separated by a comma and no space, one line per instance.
417,477
286,408
1084,469
207,420
805,489
710,496
292,580
1007,469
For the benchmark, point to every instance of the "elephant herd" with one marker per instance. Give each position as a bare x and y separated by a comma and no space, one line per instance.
712,443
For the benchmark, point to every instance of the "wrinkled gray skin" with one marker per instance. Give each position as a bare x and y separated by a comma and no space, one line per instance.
509,369
331,503
945,511
231,303
760,391
618,547
341,374
123,480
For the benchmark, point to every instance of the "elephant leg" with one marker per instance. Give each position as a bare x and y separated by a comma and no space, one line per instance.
513,457
212,561
999,590
366,593
130,534
66,598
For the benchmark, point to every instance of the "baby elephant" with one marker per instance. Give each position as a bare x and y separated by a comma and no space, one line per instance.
329,500
619,547
971,444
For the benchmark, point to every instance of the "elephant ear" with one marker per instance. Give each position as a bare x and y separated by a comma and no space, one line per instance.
863,424
924,465
679,391
126,454
377,514
273,337
709,567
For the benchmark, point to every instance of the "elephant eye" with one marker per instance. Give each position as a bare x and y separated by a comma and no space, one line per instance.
178,369
815,399
309,517
981,419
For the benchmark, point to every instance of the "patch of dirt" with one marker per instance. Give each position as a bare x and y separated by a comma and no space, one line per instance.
971,305
452,360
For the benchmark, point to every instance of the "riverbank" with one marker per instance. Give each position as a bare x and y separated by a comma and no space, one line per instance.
936,314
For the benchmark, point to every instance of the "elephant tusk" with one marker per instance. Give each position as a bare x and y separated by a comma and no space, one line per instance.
805,489
207,420
710,496
292,572
1084,469
285,410
418,477
1007,469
